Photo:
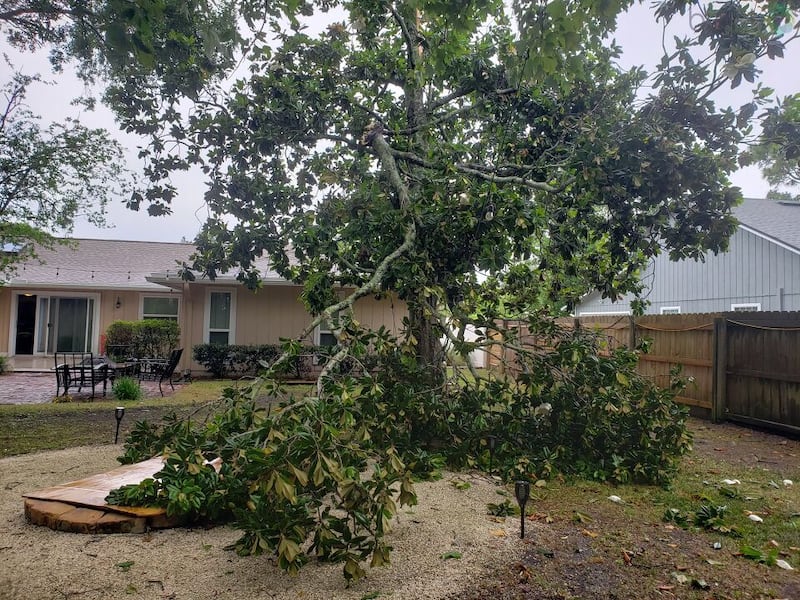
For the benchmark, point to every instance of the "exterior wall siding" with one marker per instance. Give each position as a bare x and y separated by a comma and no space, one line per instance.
274,312
753,271
262,317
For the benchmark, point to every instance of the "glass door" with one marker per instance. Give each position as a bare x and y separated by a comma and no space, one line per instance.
65,324
42,324
26,324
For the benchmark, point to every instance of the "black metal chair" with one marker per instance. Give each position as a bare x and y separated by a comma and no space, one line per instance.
80,370
161,370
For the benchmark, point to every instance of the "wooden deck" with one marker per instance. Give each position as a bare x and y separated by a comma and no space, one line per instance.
80,507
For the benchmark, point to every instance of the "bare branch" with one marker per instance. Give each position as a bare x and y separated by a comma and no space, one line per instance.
485,173
459,93
410,45
439,120
373,284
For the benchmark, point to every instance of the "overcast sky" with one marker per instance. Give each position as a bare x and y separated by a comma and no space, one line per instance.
638,34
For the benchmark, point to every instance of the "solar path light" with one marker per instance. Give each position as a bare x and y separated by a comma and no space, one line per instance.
119,412
522,490
491,441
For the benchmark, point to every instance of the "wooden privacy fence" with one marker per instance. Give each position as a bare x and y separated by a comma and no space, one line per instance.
744,366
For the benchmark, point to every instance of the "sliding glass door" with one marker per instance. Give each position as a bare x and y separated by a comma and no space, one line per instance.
71,321
62,324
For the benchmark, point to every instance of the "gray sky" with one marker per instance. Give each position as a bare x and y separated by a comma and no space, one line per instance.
638,34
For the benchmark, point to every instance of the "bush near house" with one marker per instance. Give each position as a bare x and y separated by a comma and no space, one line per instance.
152,338
126,389
237,360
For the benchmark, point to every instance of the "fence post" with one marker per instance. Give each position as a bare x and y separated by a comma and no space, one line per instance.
719,368
632,333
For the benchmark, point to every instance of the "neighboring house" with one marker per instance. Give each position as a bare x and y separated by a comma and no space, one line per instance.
759,272
66,298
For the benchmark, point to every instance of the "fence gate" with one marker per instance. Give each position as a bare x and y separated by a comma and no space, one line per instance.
757,370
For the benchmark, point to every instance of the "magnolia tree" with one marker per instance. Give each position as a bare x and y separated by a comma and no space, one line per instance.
479,163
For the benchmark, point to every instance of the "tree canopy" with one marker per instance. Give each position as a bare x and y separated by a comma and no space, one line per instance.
50,175
777,150
55,173
410,146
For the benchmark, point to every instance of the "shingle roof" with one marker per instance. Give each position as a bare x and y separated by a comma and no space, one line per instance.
114,264
777,220
101,263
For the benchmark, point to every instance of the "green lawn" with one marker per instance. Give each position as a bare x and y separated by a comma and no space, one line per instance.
37,427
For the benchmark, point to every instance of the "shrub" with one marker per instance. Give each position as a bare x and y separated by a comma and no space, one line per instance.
151,338
156,338
3,364
126,388
238,360
119,339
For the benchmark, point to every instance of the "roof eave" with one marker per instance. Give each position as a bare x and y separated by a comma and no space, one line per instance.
769,238
38,285
224,280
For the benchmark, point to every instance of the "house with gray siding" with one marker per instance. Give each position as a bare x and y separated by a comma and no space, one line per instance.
759,272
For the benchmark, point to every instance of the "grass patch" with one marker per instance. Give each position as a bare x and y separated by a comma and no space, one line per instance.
629,549
26,428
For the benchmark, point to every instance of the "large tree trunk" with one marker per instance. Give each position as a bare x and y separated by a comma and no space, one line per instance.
429,350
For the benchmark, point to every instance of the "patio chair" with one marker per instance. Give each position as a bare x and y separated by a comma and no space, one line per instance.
80,370
159,369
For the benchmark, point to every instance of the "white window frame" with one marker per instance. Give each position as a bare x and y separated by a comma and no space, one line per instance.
142,296
670,310
747,306
207,315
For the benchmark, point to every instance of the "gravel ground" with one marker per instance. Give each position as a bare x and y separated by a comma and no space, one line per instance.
38,563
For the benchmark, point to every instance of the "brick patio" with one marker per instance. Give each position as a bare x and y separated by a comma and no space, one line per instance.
40,388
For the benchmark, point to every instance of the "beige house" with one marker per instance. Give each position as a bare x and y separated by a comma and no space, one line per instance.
65,299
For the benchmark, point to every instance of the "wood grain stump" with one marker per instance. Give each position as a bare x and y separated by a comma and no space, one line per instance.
80,507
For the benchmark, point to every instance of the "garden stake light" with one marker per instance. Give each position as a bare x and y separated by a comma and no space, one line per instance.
522,490
119,412
491,441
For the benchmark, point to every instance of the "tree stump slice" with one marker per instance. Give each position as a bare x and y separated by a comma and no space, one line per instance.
80,507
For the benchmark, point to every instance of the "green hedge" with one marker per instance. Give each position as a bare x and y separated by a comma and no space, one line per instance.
149,338
236,360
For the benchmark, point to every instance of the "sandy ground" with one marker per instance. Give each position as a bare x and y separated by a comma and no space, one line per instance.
38,563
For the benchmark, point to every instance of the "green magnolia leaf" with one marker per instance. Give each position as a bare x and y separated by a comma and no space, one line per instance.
125,566
751,553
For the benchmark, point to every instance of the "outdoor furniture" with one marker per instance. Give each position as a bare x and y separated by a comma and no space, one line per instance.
160,369
123,368
80,370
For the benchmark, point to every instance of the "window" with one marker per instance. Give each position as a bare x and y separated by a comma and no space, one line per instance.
670,310
325,335
160,307
752,307
220,317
